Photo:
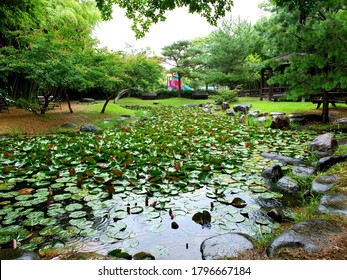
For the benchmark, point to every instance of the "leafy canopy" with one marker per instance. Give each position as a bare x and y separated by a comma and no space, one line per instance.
145,13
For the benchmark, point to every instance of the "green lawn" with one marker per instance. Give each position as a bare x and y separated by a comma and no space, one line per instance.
263,106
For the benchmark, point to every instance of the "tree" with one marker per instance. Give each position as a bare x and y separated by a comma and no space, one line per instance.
145,13
233,52
314,33
184,58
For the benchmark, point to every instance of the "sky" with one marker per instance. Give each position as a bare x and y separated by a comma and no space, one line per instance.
179,25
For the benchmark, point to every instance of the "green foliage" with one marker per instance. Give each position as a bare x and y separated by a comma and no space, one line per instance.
233,57
226,95
313,35
145,13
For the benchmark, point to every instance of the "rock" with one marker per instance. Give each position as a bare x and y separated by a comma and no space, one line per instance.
341,121
323,183
143,256
191,105
127,116
279,122
230,112
206,109
297,118
333,203
242,108
303,171
90,256
311,235
272,173
89,127
326,162
18,254
69,126
288,185
225,106
273,114
262,119
276,214
107,120
324,145
254,113
88,100
282,159
229,245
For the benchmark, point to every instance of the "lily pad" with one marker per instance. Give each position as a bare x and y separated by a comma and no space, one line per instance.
136,210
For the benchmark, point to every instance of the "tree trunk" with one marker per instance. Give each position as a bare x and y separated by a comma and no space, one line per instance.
325,110
68,100
179,85
120,94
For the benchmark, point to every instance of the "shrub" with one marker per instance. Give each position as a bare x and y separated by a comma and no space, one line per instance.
226,95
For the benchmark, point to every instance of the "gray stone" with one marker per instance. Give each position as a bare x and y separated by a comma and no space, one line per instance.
273,114
89,127
324,145
230,112
18,254
242,108
272,173
303,171
254,113
297,118
326,162
281,159
69,126
341,121
333,203
229,245
243,119
311,235
288,185
262,119
279,122
88,100
323,183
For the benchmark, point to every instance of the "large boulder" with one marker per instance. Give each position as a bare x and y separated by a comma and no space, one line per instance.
288,185
324,145
303,171
326,162
323,183
89,128
333,203
242,108
272,173
281,159
229,245
312,236
280,122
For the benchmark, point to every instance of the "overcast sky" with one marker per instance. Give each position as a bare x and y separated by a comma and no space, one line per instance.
180,25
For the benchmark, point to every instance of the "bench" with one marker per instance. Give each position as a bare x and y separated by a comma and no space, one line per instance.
336,97
148,96
3,104
54,102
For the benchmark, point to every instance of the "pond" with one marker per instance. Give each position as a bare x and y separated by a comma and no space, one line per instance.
162,185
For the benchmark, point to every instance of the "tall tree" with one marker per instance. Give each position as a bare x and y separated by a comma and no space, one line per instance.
145,13
314,33
233,51
183,57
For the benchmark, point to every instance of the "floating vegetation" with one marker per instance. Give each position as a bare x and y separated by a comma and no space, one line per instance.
200,167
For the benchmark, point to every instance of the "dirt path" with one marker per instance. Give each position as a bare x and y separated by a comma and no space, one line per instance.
20,121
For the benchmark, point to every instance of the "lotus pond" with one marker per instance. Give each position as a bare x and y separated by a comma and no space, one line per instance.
160,185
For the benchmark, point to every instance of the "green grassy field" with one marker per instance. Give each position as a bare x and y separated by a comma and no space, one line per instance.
263,106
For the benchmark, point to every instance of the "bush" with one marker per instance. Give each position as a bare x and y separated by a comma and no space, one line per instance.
226,95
